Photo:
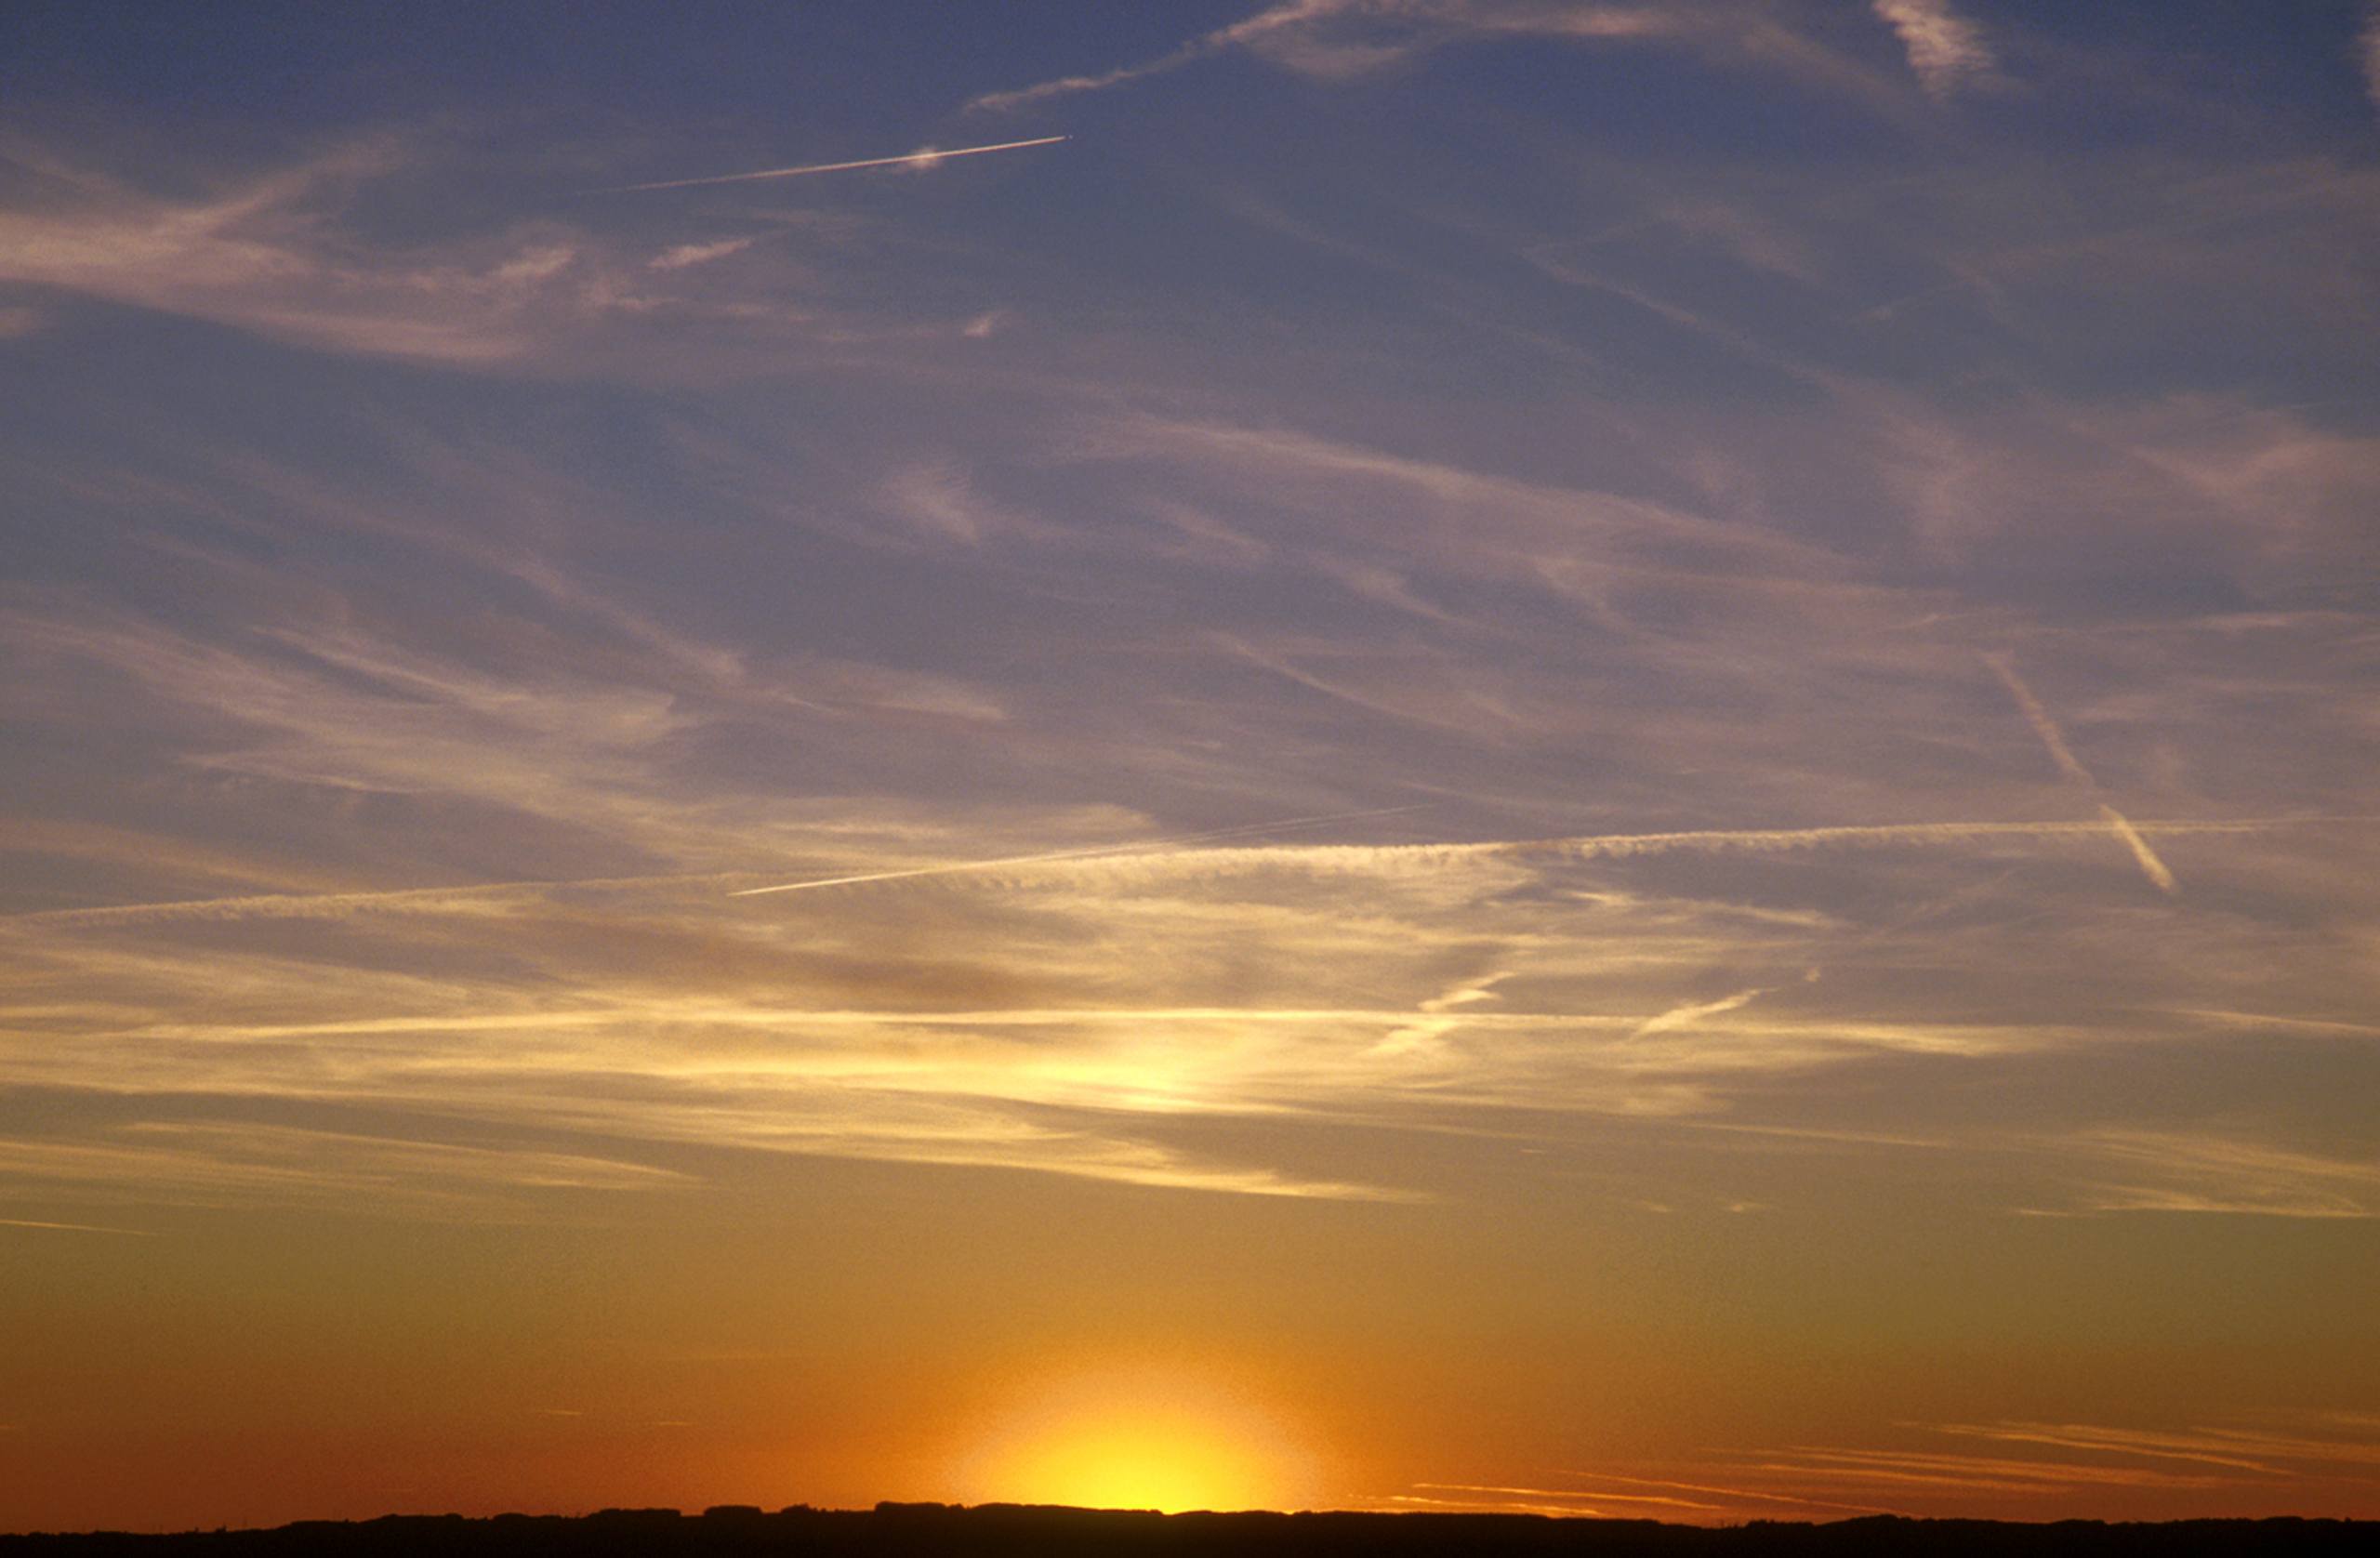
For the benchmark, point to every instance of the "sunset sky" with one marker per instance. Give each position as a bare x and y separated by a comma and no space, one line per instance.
1611,755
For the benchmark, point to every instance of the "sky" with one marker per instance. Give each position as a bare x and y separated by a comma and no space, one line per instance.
1604,756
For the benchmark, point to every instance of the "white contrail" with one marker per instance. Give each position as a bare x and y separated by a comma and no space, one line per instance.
1166,859
2038,717
2154,868
1136,848
925,158
2160,876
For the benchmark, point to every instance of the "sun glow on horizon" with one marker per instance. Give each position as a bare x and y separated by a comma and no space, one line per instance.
1166,1445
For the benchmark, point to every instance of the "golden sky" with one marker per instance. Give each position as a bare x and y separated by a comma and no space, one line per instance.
1608,756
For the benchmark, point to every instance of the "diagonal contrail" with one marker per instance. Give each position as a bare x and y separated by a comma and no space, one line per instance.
2160,876
926,158
2039,718
1138,847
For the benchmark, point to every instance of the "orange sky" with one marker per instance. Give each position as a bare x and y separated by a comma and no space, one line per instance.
1482,754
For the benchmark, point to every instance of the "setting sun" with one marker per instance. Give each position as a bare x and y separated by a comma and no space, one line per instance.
1154,1465
1162,1446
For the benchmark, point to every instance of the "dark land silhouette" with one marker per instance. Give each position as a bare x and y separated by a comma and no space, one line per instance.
1043,1531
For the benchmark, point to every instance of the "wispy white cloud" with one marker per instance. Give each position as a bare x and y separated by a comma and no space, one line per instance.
1735,1497
1294,15
575,738
1340,40
248,1162
301,253
2159,1171
261,254
2258,1449
2280,1460
1917,1470
1692,1012
678,257
938,500
2289,1024
1565,1500
1440,1015
335,707
1945,51
157,854
488,898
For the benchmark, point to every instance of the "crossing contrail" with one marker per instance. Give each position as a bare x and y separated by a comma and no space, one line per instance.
925,158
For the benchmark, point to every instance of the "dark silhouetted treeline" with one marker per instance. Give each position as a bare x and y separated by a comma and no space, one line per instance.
1023,1531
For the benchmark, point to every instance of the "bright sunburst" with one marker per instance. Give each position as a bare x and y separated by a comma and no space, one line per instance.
1166,1445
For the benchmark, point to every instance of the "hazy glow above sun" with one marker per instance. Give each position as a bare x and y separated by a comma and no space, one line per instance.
1139,1445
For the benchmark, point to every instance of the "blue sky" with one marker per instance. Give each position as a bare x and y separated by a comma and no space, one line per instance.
1736,633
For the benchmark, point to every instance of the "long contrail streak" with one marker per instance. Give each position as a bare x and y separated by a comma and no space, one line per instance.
1166,854
445,900
1133,849
926,158
1155,855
